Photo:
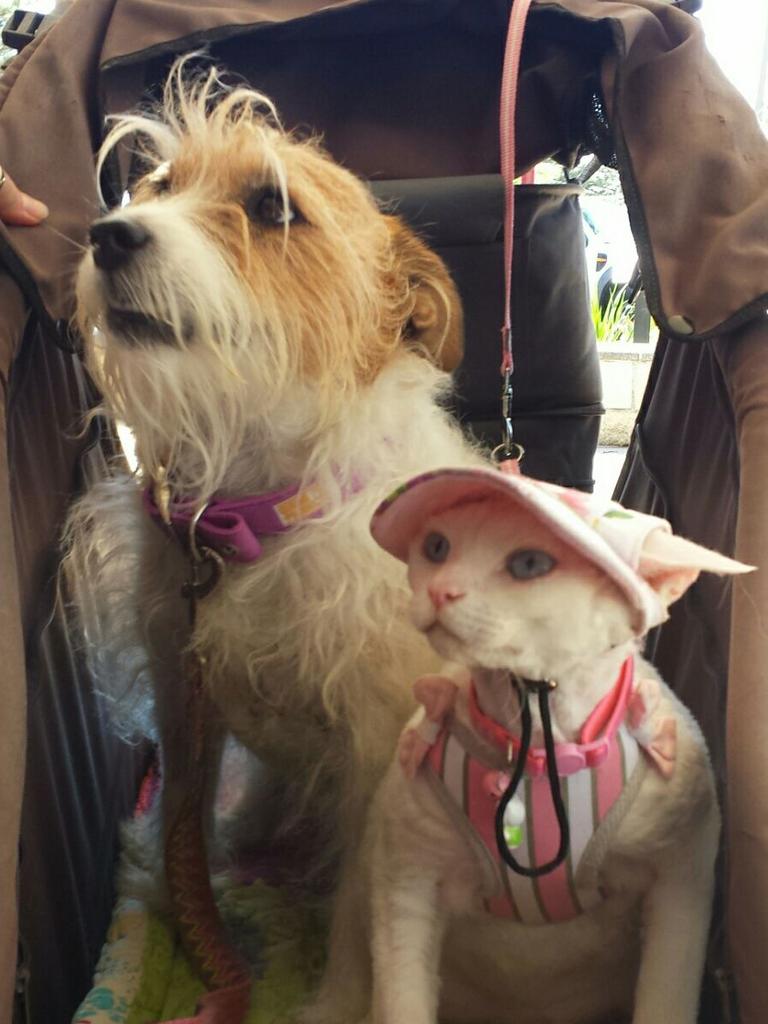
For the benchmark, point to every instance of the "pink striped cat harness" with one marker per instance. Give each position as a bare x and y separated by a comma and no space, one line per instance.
468,762
469,770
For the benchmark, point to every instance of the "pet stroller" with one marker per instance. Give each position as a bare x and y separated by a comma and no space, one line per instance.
405,92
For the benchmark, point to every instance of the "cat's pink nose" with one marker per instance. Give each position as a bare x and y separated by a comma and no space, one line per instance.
443,593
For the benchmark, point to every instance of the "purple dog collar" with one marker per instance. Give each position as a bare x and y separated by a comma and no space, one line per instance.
233,528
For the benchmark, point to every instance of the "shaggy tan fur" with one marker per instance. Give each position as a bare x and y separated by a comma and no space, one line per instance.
324,303
305,348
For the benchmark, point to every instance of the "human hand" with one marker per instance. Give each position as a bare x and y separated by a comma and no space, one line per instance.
16,207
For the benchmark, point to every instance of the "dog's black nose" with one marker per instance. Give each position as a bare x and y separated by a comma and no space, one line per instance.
115,241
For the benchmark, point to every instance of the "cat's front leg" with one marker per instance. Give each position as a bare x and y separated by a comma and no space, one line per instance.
407,848
408,928
676,925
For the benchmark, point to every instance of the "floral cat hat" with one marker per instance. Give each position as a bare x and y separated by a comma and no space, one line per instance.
604,532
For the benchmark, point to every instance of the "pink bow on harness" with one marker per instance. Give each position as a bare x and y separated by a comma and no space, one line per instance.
437,695
656,735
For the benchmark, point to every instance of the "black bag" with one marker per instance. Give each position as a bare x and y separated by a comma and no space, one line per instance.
557,389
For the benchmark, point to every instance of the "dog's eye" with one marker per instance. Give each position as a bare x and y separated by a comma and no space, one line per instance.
160,178
436,547
267,206
527,565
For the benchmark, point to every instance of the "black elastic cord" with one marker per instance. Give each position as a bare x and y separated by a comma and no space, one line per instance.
505,853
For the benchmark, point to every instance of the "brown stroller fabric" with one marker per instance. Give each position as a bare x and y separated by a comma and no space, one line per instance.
713,479
388,83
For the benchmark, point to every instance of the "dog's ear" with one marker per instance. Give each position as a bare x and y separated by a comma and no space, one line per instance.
670,564
434,316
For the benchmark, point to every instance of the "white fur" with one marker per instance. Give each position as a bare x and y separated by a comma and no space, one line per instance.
283,361
436,952
307,638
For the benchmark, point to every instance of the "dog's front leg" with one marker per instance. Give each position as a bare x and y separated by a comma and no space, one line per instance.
676,924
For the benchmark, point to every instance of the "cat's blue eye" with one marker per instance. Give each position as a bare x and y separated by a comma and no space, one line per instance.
436,547
527,565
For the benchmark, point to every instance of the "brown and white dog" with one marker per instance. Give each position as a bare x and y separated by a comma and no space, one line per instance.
258,322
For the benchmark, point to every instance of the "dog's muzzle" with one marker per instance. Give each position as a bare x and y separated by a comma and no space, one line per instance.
116,245
115,242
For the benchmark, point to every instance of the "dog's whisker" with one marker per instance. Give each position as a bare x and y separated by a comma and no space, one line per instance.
76,245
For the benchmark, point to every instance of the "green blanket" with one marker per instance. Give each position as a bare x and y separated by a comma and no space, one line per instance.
143,975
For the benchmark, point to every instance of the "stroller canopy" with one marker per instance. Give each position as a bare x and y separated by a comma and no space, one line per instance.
401,89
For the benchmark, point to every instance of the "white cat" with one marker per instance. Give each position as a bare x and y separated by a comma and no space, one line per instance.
534,588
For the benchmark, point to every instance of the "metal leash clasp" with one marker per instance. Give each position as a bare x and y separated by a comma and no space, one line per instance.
509,452
205,566
507,394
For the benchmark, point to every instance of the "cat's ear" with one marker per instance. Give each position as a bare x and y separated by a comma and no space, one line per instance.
670,564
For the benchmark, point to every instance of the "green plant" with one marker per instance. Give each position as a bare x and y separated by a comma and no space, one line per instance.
613,319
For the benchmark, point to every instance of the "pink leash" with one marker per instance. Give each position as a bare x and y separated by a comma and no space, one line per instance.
508,109
511,453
